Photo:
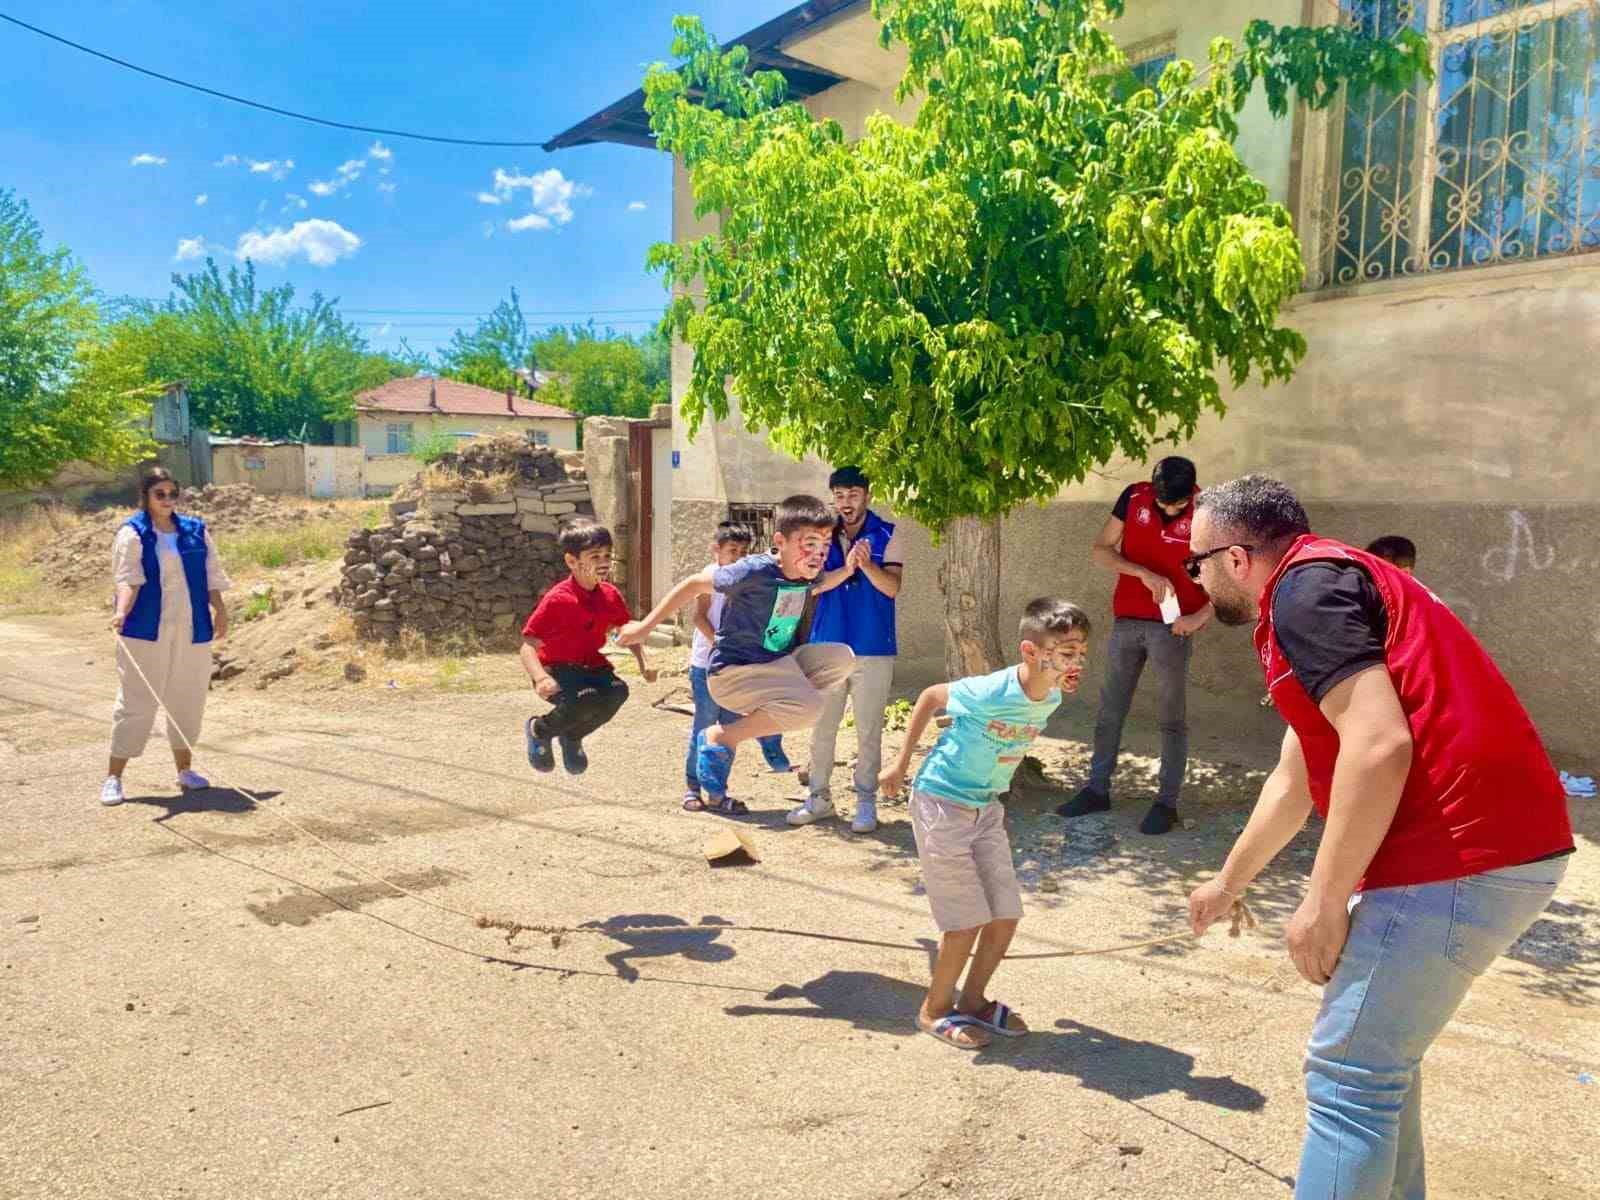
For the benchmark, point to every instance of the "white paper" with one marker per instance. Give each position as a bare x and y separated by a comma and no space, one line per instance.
1170,611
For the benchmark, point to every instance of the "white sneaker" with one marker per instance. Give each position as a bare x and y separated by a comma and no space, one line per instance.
111,791
192,781
866,818
812,811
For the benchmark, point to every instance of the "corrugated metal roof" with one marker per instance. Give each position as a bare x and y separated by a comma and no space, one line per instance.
627,123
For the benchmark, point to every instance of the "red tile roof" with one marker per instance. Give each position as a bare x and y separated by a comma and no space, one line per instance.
453,398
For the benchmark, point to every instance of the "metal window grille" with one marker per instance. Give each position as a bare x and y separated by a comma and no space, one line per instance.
762,520
1497,160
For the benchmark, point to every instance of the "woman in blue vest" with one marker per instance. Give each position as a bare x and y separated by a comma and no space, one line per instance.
169,607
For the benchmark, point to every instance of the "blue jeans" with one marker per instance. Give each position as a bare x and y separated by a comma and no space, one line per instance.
1412,954
707,712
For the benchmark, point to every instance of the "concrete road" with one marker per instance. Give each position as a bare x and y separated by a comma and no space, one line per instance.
198,1001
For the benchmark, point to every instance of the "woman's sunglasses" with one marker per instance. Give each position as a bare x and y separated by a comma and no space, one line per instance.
1191,564
164,493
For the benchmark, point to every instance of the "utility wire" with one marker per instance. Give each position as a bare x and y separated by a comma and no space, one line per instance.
282,112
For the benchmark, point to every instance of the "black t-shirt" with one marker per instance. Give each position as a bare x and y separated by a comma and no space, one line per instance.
1330,622
1119,510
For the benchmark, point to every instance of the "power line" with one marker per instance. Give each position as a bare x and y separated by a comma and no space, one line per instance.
282,112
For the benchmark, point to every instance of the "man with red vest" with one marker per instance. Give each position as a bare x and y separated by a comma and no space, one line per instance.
1446,826
1145,541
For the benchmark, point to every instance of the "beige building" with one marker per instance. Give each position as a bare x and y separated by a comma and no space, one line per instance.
1452,309
394,419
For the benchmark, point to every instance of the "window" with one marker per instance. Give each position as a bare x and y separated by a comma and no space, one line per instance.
1498,160
539,437
762,519
1146,61
398,435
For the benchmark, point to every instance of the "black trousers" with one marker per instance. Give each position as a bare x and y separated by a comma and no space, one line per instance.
587,700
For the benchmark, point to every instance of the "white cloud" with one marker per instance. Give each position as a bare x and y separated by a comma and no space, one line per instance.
189,249
348,172
380,152
276,168
320,243
291,202
386,188
488,229
550,194
200,200
147,160
638,206
383,330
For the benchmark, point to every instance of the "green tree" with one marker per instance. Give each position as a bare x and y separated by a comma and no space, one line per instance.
490,355
53,410
1047,268
256,363
600,374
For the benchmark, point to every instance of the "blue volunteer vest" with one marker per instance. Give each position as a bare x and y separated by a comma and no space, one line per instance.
857,613
144,622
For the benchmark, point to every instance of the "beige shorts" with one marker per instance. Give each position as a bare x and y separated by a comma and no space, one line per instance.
966,862
788,689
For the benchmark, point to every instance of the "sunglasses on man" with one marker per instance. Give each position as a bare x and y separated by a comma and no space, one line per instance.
1191,564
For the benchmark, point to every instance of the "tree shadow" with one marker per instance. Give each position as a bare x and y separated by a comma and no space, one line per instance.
1562,948
660,936
202,800
865,999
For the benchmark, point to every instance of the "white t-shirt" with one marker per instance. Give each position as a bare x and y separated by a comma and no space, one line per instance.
700,648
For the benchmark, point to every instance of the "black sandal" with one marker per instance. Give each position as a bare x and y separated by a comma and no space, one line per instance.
693,803
729,807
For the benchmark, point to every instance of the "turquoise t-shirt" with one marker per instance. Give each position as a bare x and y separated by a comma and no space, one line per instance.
993,725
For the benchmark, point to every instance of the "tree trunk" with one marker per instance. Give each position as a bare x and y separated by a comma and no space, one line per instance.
970,579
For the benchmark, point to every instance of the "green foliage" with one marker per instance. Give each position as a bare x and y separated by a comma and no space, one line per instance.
64,392
257,364
435,446
1045,270
604,373
491,353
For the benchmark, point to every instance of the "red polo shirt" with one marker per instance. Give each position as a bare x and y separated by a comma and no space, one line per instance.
571,624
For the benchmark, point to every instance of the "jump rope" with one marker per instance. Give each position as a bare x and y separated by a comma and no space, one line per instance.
1240,916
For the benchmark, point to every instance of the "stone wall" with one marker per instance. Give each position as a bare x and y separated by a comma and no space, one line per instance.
469,546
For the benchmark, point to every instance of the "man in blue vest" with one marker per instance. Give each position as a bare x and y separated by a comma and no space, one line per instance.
855,605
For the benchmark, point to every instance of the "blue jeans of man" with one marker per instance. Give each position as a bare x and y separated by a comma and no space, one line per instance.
1412,954
707,712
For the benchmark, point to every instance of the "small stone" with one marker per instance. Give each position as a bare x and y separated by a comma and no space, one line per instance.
28,920
128,1007
948,1181
354,672
1130,1150
1049,885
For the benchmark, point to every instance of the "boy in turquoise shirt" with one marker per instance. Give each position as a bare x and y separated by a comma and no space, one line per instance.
959,825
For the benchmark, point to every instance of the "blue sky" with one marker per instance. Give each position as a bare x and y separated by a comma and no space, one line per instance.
381,224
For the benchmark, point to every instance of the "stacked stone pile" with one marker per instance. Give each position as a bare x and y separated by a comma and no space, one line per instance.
469,544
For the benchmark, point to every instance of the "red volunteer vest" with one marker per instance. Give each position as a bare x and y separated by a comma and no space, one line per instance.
1481,793
1149,541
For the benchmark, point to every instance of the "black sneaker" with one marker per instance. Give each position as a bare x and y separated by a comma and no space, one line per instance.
572,756
1160,819
1085,802
540,756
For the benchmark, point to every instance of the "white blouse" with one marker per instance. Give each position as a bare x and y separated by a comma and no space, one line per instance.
127,561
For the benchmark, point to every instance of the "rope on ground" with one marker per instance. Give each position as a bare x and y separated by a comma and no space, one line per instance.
1241,918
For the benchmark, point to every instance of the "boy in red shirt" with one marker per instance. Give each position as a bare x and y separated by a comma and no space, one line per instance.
561,645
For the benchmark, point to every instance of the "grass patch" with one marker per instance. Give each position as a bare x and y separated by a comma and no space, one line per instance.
255,608
22,535
273,548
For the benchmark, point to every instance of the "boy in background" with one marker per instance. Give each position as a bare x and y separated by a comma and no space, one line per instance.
1401,551
561,645
959,822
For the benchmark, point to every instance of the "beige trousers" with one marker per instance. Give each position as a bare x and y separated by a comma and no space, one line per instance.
179,670
789,689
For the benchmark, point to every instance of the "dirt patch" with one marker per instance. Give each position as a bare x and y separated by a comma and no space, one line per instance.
78,557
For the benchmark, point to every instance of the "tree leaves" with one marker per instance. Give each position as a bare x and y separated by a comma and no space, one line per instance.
1044,270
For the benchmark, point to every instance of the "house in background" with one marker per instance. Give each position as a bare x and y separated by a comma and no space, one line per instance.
1451,308
393,419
